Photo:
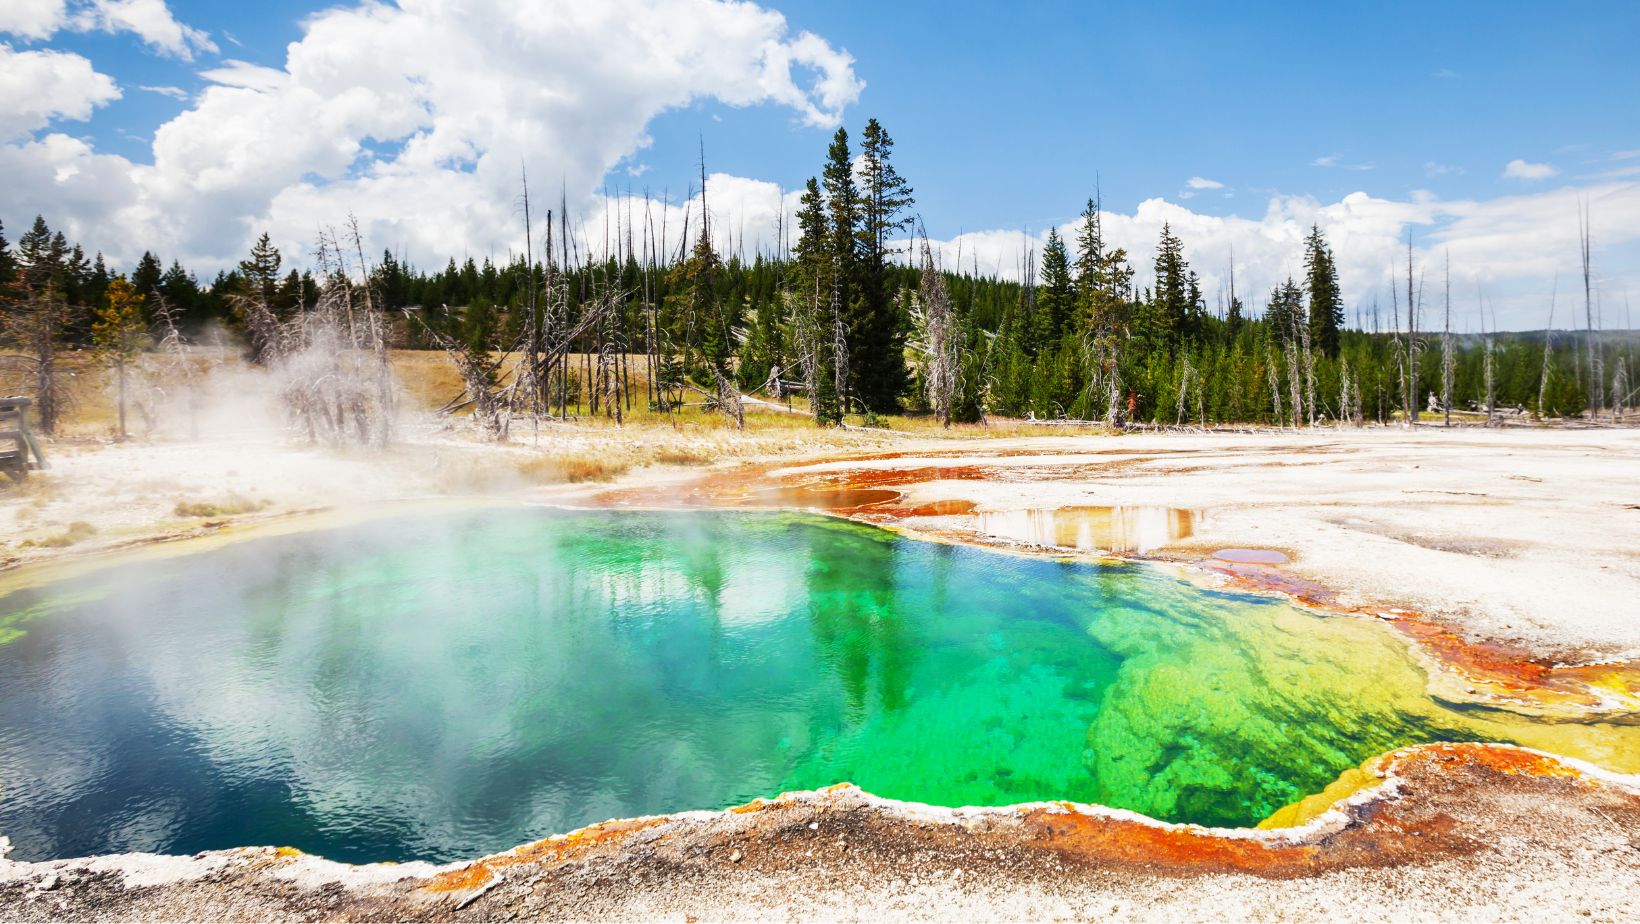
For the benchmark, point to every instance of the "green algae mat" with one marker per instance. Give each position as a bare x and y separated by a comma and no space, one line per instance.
444,686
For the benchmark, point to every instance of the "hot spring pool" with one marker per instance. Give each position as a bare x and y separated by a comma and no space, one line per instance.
444,686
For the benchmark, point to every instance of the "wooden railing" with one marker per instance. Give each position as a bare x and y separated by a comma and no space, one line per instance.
16,443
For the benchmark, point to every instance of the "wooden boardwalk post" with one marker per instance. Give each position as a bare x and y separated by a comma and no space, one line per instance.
16,442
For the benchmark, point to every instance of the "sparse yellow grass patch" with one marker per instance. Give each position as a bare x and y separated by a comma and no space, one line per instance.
684,455
78,531
429,381
232,506
574,468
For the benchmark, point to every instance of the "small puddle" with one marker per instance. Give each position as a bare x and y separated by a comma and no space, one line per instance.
1251,556
1122,529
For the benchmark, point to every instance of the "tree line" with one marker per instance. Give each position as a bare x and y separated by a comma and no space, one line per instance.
858,318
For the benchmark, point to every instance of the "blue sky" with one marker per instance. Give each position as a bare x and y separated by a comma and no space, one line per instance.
1005,121
1238,122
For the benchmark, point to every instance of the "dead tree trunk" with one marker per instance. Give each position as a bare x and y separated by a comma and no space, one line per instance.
1447,358
1548,338
940,347
1412,343
1588,312
1275,382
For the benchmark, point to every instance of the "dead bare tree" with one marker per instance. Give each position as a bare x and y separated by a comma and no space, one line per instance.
1309,374
1548,339
611,384
332,365
1275,382
1411,384
1620,389
36,322
839,353
491,387
1590,346
336,381
373,339
728,399
529,362
1349,396
804,313
939,344
1185,374
1487,364
176,366
268,337
480,372
1295,382
1448,360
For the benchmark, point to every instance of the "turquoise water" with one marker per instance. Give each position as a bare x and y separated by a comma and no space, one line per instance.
444,686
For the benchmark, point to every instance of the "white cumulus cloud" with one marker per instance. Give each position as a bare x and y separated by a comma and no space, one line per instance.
149,20
32,19
37,87
1511,247
1518,169
1198,182
172,92
420,117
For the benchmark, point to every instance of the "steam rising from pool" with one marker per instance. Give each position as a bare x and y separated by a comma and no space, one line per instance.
444,686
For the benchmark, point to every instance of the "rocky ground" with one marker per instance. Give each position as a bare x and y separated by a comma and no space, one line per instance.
1452,832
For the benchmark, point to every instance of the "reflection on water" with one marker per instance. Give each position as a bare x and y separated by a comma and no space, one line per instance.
445,686
824,498
1120,530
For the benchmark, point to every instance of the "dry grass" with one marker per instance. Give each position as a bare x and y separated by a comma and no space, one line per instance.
428,377
684,455
429,381
77,531
573,468
91,405
232,506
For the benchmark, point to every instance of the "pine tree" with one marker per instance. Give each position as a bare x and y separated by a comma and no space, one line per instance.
813,305
707,332
1172,306
88,283
76,273
40,266
843,219
1326,304
393,282
40,315
1195,312
288,297
1090,253
261,271
1056,295
179,288
877,327
1285,311
145,278
98,279
8,264
59,257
